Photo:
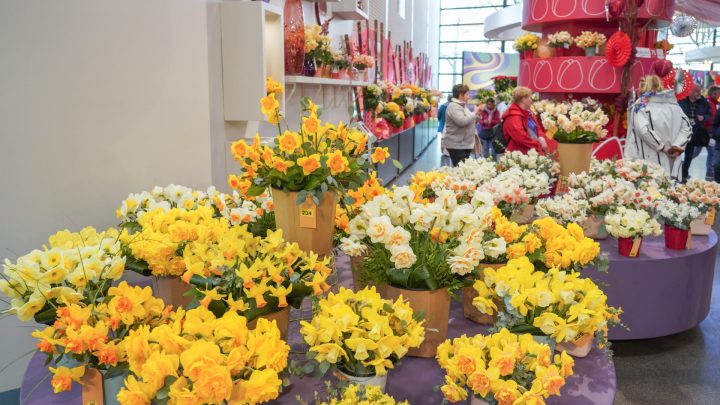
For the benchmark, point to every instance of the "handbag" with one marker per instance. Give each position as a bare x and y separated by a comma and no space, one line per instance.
700,136
477,148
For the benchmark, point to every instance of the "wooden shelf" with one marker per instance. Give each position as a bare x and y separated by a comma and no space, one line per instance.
324,81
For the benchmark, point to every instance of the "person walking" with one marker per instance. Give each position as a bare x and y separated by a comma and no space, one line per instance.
521,128
489,118
658,130
460,134
697,109
713,94
441,115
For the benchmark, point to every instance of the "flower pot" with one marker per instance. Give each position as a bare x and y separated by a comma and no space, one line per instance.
592,51
625,246
469,294
703,225
355,262
436,307
343,74
408,123
374,380
574,157
523,215
359,75
579,348
309,225
294,31
309,68
172,291
528,54
675,238
394,130
335,74
99,389
281,318
594,227
559,52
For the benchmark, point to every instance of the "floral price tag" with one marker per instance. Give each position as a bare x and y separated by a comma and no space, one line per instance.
308,216
635,247
562,185
710,217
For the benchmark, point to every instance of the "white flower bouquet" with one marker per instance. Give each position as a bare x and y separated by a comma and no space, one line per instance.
677,215
590,39
530,161
421,246
630,223
572,122
565,208
560,39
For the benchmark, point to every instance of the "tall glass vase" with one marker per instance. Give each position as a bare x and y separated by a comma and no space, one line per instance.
294,25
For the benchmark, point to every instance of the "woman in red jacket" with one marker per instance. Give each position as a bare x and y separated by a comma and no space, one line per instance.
521,128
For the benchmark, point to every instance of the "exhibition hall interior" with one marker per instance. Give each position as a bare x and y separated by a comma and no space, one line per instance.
341,202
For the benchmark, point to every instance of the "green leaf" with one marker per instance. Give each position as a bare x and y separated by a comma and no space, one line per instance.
397,164
308,368
388,308
324,367
256,189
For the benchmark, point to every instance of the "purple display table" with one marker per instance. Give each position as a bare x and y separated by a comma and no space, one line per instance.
414,379
661,291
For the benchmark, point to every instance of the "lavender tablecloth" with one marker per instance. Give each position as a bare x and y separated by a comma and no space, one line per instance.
662,291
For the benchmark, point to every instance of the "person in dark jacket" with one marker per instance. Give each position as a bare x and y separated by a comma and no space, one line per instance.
697,109
715,133
441,115
521,128
489,118
713,94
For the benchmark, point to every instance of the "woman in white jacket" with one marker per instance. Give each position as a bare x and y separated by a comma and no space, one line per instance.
658,130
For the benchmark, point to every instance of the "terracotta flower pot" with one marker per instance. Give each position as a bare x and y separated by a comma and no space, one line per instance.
625,247
469,294
436,307
97,388
309,225
574,157
524,215
594,227
676,239
579,348
281,318
172,291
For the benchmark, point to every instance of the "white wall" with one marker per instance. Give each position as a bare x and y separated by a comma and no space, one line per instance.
98,99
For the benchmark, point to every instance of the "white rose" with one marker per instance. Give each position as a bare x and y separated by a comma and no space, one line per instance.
398,236
379,229
402,256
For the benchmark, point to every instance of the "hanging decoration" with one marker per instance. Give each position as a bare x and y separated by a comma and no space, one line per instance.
680,80
662,67
618,49
615,8
683,25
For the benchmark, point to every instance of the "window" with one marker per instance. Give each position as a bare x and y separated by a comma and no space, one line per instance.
401,8
462,29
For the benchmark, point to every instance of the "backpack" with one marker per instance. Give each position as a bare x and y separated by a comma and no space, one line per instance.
498,137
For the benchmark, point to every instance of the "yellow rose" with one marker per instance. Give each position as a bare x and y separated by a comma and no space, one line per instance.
262,386
200,356
214,385
135,392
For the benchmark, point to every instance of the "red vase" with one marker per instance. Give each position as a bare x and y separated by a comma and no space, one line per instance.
675,238
394,130
418,118
528,54
294,26
625,246
559,52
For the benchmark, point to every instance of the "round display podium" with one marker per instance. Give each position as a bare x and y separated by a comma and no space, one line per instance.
662,291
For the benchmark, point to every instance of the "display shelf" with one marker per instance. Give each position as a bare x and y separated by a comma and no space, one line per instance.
349,10
540,14
578,74
324,81
248,59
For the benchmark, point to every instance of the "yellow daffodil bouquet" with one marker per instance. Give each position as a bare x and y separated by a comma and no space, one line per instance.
75,267
254,276
391,112
502,368
89,336
313,160
548,244
360,333
355,394
199,358
257,212
563,306
423,184
421,246
158,247
526,42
